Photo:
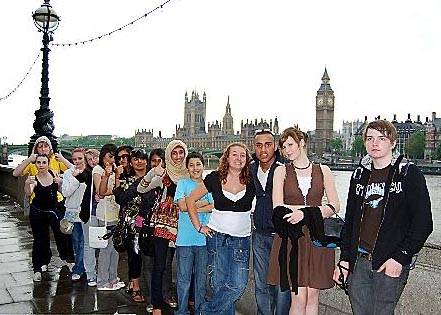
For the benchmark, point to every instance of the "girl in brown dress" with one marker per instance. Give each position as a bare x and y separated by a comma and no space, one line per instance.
296,185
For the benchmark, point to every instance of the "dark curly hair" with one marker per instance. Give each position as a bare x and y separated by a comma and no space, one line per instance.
245,175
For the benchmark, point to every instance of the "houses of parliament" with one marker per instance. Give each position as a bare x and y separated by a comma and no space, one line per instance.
221,133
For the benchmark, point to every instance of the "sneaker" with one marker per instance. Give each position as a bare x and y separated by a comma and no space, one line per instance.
149,308
76,277
109,287
91,282
44,268
37,276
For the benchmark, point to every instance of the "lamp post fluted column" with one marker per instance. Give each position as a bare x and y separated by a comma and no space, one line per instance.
46,21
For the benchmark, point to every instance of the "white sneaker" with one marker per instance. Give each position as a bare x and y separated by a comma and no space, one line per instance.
75,277
37,276
91,282
44,268
109,287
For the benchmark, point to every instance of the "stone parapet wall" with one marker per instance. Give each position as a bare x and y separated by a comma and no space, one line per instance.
11,185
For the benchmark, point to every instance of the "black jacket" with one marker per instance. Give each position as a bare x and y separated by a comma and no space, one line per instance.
407,220
263,210
314,221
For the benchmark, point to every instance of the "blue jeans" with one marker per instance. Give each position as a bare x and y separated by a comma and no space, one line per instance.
228,268
78,246
270,299
191,261
372,292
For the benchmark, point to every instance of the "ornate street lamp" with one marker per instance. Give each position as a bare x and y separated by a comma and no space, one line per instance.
46,20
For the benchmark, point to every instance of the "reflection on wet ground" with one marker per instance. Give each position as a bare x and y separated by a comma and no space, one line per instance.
56,293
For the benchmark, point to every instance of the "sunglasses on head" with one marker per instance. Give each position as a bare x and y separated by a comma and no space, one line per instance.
263,131
342,282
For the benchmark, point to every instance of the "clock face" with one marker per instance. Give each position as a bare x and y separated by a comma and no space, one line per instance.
320,101
330,101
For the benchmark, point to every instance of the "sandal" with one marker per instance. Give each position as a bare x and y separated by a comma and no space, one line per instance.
137,296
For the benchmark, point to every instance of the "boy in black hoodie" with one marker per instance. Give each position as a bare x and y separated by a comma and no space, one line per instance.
388,219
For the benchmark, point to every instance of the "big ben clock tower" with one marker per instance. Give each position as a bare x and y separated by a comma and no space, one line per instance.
324,115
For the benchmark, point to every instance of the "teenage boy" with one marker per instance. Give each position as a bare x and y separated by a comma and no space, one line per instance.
270,299
388,219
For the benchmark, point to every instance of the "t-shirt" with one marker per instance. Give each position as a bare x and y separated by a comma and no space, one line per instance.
232,212
373,208
107,206
187,234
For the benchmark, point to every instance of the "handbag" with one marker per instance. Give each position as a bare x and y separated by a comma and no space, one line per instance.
332,228
96,233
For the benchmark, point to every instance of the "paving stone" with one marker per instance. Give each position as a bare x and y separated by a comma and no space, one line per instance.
6,280
18,308
23,277
5,297
15,266
15,256
21,293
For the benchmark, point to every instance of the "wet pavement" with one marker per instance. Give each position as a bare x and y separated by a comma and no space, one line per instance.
56,293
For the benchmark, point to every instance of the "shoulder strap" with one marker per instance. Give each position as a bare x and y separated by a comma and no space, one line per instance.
51,172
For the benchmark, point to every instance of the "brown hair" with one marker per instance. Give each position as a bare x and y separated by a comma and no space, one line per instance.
245,175
93,152
294,133
385,127
79,150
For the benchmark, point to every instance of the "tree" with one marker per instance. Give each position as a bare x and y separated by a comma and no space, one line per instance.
415,145
336,145
358,146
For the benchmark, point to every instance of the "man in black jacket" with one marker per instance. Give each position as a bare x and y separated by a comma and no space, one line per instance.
270,299
388,219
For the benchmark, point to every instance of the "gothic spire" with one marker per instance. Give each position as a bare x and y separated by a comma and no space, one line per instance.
325,86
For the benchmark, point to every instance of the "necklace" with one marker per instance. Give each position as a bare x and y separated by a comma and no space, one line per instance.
302,168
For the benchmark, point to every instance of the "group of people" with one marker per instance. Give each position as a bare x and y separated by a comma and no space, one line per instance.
274,203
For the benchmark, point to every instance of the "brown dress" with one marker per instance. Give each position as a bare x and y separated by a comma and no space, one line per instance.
315,264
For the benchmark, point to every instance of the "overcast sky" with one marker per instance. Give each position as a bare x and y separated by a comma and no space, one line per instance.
383,57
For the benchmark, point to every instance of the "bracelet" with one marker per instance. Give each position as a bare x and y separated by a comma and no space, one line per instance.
200,228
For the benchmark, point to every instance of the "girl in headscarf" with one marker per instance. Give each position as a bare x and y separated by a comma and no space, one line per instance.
166,215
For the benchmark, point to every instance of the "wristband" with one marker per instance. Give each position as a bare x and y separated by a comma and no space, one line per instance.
200,228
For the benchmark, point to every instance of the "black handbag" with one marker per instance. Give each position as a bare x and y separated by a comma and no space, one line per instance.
332,228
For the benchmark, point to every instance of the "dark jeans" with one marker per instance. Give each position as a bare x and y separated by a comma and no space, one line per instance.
134,262
372,292
147,263
228,268
160,247
192,264
41,250
270,299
